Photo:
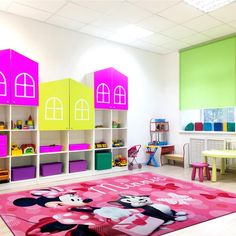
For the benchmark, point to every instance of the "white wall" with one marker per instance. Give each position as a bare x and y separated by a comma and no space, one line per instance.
63,53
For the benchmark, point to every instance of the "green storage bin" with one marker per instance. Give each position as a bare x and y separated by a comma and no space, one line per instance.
103,160
231,127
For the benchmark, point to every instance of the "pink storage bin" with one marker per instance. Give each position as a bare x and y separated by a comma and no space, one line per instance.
3,145
79,146
50,148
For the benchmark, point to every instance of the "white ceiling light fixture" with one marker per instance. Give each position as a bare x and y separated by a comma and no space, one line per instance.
208,5
130,33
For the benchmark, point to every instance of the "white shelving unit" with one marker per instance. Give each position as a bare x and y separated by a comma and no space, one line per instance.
105,134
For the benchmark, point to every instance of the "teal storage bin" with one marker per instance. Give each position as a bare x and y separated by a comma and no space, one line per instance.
189,127
231,127
207,126
103,160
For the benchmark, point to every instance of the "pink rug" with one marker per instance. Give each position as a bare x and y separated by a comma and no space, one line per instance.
140,204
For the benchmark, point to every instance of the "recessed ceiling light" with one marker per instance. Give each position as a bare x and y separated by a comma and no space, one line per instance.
130,33
208,5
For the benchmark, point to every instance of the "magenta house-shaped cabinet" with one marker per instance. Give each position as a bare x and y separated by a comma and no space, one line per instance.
110,89
18,79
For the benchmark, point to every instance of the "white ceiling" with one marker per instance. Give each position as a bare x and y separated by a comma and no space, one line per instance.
175,24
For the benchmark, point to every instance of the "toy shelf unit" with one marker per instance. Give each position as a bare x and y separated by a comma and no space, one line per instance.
119,119
53,164
159,129
80,140
103,119
81,161
23,167
53,141
5,123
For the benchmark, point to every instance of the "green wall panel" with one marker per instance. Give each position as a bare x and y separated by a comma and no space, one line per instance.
208,76
54,105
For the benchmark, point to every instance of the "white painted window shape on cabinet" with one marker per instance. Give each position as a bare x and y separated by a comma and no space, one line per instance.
3,85
103,93
24,86
53,109
82,110
119,95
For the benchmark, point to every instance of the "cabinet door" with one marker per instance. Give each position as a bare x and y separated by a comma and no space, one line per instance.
81,106
54,105
24,80
5,77
119,91
103,89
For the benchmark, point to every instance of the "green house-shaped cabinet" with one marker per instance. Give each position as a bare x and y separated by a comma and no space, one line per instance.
65,105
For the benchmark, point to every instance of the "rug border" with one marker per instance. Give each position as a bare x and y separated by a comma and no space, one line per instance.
198,184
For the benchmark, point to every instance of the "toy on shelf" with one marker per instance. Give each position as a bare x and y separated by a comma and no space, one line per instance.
115,124
2,125
101,145
99,125
117,143
119,160
15,150
18,125
28,148
4,175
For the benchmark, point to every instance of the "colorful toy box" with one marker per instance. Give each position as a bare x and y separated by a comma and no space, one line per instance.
3,145
77,165
53,168
79,146
23,172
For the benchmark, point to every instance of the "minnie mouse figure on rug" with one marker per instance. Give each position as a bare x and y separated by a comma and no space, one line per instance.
73,213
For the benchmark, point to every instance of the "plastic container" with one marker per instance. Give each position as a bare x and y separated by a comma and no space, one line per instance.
198,126
23,172
231,127
77,165
3,145
207,126
79,146
103,160
53,168
218,126
50,148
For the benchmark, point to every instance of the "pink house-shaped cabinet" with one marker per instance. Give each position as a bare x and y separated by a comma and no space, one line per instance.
110,89
18,79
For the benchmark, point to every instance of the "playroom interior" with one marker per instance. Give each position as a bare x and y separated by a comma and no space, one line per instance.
127,107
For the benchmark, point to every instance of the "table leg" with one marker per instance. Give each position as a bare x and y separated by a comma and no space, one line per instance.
213,173
222,168
204,171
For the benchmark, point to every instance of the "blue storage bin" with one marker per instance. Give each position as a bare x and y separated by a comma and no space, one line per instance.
207,126
218,126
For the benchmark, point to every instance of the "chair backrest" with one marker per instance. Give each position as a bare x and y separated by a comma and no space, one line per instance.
133,151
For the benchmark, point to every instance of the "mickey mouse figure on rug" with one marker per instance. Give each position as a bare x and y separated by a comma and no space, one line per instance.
152,217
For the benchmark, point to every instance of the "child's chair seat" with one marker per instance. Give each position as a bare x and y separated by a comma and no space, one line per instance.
200,166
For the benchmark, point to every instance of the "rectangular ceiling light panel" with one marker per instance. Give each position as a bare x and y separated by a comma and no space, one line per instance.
208,5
